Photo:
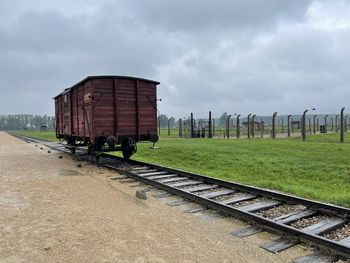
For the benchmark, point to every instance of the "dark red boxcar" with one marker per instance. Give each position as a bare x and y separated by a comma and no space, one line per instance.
108,110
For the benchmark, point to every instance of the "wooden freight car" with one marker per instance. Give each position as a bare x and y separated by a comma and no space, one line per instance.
107,113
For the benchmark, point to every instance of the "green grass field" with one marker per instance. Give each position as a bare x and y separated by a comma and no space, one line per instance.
49,136
317,169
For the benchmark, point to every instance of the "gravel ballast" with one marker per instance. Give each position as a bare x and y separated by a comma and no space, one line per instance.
280,210
305,222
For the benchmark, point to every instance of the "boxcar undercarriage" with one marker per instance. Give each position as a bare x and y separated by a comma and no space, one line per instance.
127,145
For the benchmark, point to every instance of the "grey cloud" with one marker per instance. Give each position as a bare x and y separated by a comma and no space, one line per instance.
213,15
259,56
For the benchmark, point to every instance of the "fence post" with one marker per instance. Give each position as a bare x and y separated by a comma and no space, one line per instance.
342,124
180,127
248,121
168,127
253,125
228,127
315,123
238,128
192,128
288,124
274,125
325,123
303,130
262,126
210,135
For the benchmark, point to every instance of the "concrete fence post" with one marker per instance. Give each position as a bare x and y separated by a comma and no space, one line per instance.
303,129
210,134
248,122
274,125
288,124
342,124
180,127
252,125
325,123
314,118
192,126
238,127
228,127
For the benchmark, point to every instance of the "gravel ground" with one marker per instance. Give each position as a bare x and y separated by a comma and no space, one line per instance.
339,234
53,211
280,210
305,222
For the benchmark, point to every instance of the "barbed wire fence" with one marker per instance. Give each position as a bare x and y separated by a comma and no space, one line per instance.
236,126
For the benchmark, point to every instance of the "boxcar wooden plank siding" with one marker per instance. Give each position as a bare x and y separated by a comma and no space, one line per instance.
100,106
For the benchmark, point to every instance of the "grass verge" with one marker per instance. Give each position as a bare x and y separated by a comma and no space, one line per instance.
318,168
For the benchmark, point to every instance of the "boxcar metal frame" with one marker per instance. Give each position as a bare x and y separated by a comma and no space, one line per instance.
107,113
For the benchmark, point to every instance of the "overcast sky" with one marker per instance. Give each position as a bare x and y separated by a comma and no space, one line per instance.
257,56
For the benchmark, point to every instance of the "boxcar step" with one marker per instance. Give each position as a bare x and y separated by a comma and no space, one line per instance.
156,177
259,206
187,183
201,188
150,174
324,225
238,199
166,181
218,193
295,216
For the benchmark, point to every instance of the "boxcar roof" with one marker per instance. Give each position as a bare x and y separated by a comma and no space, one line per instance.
105,77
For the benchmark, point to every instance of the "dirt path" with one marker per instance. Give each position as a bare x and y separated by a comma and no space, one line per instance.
52,211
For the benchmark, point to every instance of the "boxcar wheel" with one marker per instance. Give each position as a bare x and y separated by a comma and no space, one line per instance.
127,153
128,147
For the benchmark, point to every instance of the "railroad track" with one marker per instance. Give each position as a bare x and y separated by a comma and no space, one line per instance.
324,226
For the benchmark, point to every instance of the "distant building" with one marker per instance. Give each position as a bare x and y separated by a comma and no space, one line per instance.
258,126
43,127
296,124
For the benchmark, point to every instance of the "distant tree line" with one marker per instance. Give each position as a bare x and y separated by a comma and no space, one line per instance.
163,121
25,121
